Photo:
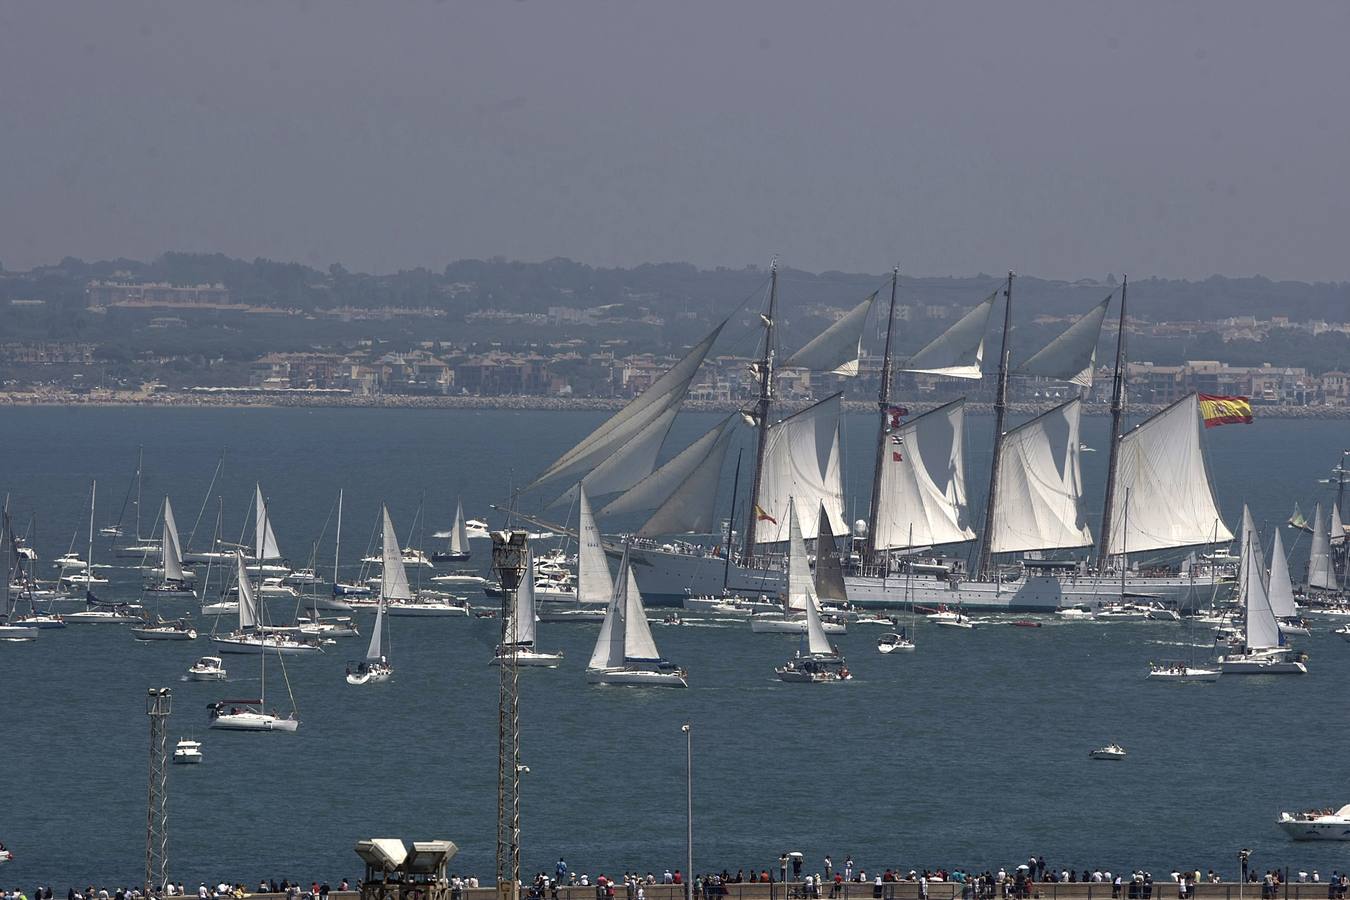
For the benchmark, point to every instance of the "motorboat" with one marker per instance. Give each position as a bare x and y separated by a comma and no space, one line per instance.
82,579
730,605
1122,612
1075,613
187,752
1180,673
369,671
70,562
672,619
411,557
138,550
208,668
341,626
302,577
460,576
248,715
426,606
220,607
175,630
893,641
1109,752
342,589
276,586
1296,627
810,668
1317,824
1157,612
947,618
1343,632
17,633
589,615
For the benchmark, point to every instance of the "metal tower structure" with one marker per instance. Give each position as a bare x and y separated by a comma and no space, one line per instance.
508,560
158,705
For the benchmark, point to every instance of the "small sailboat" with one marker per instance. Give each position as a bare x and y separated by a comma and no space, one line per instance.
1264,650
457,550
252,636
375,667
821,662
253,714
625,652
187,752
520,628
1113,752
393,586
207,668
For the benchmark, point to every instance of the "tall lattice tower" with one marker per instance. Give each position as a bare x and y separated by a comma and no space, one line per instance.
158,705
508,559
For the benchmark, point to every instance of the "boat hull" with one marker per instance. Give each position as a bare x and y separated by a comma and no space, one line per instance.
18,633
792,626
218,675
428,610
164,634
251,721
226,645
1262,667
1314,829
532,658
636,677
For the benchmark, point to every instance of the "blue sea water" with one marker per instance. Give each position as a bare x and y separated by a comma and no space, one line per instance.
971,751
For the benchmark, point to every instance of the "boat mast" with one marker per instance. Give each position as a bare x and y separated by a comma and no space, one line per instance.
883,409
765,367
1117,421
1000,407
337,548
731,522
89,565
140,461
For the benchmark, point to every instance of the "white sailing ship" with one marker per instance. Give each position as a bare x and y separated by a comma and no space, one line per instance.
625,652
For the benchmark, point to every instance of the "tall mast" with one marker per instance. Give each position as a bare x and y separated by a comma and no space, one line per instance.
883,407
731,522
1000,407
337,546
140,462
1117,417
89,564
765,366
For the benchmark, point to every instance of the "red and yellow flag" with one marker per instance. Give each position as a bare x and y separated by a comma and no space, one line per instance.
761,515
1225,410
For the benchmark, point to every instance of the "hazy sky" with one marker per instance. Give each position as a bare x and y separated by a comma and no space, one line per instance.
1058,139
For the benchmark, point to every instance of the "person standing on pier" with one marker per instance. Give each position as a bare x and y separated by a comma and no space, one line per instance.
829,868
848,867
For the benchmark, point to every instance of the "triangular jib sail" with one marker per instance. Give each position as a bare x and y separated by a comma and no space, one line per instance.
1281,588
393,575
829,572
265,542
248,600
638,643
838,348
593,583
375,651
1072,355
459,533
958,351
171,554
1320,574
608,652
1263,632
800,585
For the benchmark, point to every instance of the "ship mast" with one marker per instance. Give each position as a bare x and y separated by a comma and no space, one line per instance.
883,405
1117,417
765,371
1000,407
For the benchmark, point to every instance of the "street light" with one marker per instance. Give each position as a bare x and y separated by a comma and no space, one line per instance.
688,730
1243,854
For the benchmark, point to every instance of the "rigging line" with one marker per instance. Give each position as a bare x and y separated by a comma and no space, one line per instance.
206,498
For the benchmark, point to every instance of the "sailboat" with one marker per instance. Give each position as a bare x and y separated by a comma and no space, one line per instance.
96,611
253,714
594,590
1264,651
84,574
458,548
625,652
252,635
20,584
140,548
173,583
393,582
521,626
820,662
340,588
1281,589
800,598
9,629
267,558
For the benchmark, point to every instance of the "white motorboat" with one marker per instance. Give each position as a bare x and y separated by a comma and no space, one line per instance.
892,642
1295,627
1157,612
187,752
587,615
424,607
315,627
476,528
520,630
82,579
863,618
1180,673
247,715
351,590
1074,613
1317,824
176,630
208,668
948,618
457,549
297,577
730,605
461,576
1109,752
17,633
70,562
275,586
138,550
411,557
1122,612
221,607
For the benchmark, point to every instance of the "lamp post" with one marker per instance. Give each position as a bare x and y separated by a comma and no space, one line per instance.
688,729
1243,855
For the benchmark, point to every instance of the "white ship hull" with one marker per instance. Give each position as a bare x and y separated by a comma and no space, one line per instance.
1323,828
251,721
639,677
779,625
668,578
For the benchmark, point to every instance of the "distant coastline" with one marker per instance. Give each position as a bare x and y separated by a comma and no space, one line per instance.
178,399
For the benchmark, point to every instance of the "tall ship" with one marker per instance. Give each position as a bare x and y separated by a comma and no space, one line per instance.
1034,549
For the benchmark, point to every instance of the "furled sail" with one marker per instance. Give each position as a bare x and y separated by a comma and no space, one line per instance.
265,542
682,491
1263,632
959,350
171,553
608,652
1281,588
1072,355
459,533
248,600
1040,485
1163,485
375,651
801,460
638,643
800,586
838,348
829,573
1320,574
593,584
920,507
520,628
621,427
393,576
630,463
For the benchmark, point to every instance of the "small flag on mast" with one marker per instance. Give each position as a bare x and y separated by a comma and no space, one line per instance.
762,516
1217,410
894,414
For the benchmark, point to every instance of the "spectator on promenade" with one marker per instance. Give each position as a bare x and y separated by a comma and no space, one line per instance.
829,868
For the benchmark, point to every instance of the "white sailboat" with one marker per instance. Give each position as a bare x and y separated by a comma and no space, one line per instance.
625,652
458,548
820,662
1264,651
252,635
375,667
1281,588
802,586
521,627
174,582
96,611
393,586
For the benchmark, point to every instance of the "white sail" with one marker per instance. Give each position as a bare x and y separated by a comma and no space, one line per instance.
459,533
1071,356
1263,632
521,627
608,652
630,463
817,644
1281,589
264,541
1040,485
1337,530
375,651
393,576
171,554
620,428
638,643
683,489
801,586
1161,469
838,348
1320,574
801,460
248,600
958,351
919,507
593,583
1249,535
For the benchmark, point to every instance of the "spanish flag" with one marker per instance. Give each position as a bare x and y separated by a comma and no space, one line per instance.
761,515
1225,410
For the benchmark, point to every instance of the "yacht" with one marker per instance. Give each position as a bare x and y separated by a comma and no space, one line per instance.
208,668
1109,752
947,618
460,576
160,630
894,641
730,605
779,623
98,613
302,577
248,715
427,605
1317,824
187,752
70,562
